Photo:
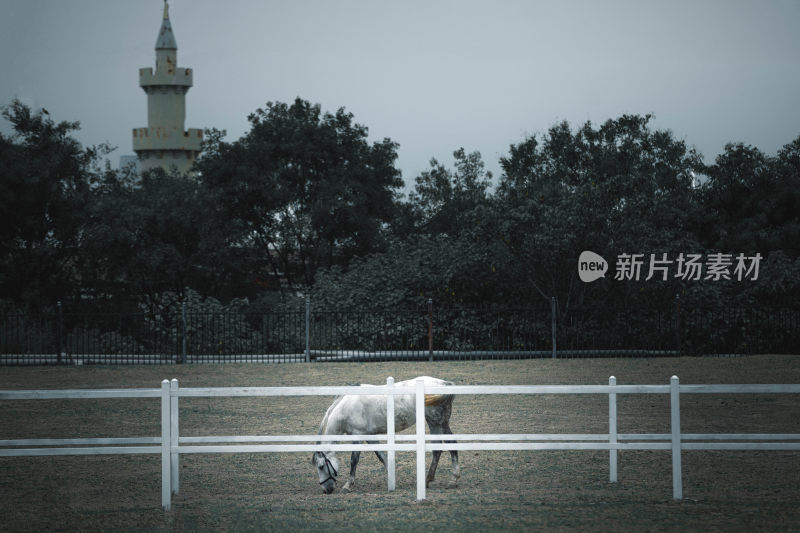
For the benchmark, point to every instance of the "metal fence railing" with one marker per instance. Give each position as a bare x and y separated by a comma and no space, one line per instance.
443,333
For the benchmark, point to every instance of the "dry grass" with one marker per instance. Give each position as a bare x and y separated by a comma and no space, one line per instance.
513,491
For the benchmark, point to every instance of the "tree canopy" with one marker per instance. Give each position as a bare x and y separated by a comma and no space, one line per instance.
307,186
303,202
46,180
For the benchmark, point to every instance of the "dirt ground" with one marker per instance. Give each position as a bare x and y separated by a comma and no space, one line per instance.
498,491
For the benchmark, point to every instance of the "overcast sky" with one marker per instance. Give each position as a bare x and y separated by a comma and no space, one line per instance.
431,75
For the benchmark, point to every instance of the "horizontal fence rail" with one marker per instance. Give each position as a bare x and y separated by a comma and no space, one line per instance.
170,444
82,446
434,333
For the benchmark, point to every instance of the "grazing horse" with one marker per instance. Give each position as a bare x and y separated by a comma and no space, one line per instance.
366,415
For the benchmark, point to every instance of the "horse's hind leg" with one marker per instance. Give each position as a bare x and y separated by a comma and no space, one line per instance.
432,470
381,457
435,430
439,423
353,464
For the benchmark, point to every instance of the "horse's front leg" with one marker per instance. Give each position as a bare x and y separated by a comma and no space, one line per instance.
353,464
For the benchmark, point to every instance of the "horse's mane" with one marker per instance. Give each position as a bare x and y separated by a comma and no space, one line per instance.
324,423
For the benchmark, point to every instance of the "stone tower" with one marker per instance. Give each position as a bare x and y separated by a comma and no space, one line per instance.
164,143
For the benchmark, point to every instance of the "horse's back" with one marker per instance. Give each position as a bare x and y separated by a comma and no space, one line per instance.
427,380
431,399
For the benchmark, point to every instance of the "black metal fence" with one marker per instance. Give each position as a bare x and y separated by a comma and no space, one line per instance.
404,334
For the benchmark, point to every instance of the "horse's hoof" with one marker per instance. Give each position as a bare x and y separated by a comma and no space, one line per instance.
347,488
452,485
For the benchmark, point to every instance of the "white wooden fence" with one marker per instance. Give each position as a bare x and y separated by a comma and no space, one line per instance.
171,445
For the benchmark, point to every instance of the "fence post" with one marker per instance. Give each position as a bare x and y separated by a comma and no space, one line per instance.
174,430
166,470
612,431
59,332
675,415
183,338
390,455
308,329
420,412
553,310
677,323
430,330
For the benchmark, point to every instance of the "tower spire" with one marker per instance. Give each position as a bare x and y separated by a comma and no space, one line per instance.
166,39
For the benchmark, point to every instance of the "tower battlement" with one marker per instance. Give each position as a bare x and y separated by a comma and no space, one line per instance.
180,77
159,138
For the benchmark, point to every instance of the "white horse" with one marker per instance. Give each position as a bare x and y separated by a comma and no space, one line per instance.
366,415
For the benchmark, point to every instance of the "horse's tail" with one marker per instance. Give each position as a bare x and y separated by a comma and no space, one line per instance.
438,399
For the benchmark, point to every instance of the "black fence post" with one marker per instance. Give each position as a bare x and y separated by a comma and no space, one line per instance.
182,358
430,330
308,330
59,332
677,323
553,322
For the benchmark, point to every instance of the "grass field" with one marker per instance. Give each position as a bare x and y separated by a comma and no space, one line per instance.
499,491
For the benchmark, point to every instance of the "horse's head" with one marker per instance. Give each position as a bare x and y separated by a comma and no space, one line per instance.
328,468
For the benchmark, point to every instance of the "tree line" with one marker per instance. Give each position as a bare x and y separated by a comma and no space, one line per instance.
303,204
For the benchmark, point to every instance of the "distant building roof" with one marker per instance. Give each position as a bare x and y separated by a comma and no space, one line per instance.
166,39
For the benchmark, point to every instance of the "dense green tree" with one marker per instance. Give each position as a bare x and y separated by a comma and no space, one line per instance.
307,186
443,250
620,188
303,196
447,270
163,233
46,181
443,200
751,204
752,201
